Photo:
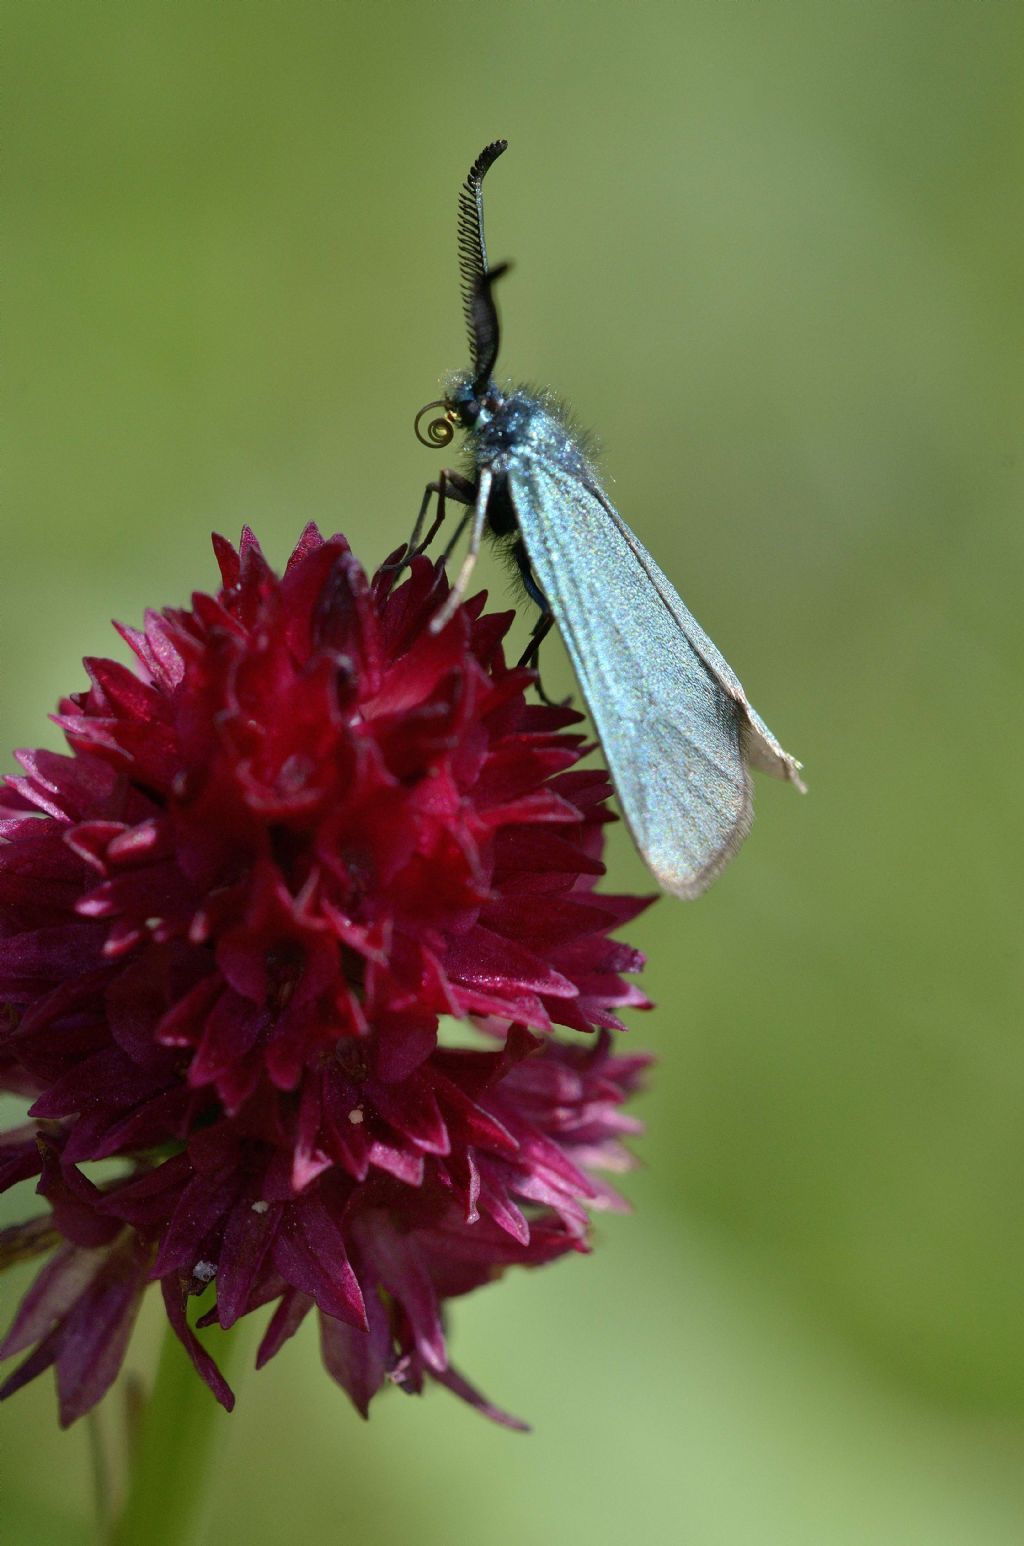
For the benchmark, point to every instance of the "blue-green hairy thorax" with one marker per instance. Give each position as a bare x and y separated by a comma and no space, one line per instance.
679,735
506,426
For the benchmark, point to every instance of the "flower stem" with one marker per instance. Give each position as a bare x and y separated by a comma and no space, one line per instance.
171,1455
100,1467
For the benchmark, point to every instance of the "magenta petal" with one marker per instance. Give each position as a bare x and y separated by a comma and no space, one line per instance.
91,1306
467,1392
176,1296
405,1277
56,1289
309,1252
486,960
310,1157
495,1200
413,1111
230,1030
359,1360
398,1162
247,1239
95,1335
37,1363
19,1155
70,788
199,1210
284,1323
33,962
75,1201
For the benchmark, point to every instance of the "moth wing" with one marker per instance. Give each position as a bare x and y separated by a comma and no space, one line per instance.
762,749
672,718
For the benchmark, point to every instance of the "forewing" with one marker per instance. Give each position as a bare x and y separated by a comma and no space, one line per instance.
671,717
760,747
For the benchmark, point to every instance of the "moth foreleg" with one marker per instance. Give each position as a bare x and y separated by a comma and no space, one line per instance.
447,485
476,534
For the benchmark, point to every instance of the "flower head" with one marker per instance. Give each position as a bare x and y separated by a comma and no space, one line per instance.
302,832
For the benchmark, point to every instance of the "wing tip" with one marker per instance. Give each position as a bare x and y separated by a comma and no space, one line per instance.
793,769
763,752
690,885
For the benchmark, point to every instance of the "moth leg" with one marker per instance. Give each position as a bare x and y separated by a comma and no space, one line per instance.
478,516
541,628
538,633
448,485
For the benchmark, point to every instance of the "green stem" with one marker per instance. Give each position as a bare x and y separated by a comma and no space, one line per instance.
100,1468
171,1456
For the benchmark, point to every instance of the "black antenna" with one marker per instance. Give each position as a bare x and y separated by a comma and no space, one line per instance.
477,305
485,332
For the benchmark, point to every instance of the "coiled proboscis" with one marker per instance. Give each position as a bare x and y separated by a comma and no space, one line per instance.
439,431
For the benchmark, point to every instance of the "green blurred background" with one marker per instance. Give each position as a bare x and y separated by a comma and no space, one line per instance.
772,253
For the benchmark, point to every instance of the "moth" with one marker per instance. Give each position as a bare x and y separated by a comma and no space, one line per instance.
678,732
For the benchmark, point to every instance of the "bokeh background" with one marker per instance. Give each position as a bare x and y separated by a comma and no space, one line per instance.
772,253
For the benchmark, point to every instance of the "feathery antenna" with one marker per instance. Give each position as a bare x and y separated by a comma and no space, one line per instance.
481,320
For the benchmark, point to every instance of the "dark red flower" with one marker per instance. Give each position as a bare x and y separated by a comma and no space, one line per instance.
300,833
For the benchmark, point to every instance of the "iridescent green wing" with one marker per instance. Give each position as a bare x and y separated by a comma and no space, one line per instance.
673,720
